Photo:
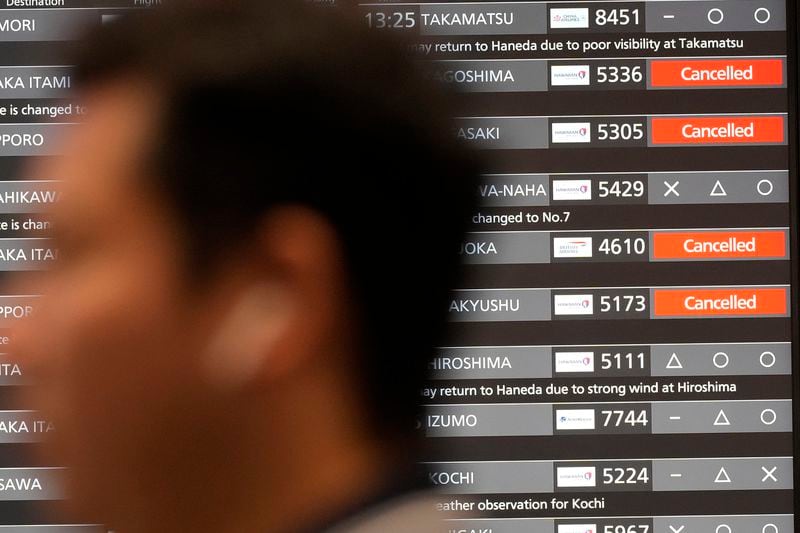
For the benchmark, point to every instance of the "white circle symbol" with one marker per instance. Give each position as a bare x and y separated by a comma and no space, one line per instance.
715,16
767,359
768,417
762,15
765,187
721,360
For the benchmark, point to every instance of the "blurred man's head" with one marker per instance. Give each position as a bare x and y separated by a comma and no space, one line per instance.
257,234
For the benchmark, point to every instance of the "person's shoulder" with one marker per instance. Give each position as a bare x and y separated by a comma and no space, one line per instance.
413,512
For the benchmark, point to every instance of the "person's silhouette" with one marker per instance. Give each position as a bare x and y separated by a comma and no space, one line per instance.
258,231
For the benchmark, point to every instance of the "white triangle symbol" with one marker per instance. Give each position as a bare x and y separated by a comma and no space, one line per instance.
674,362
722,419
718,190
722,477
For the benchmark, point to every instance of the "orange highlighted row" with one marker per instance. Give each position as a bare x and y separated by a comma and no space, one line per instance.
720,245
720,302
718,130
689,73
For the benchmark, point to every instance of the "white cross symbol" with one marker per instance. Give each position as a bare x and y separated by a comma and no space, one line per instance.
769,474
672,188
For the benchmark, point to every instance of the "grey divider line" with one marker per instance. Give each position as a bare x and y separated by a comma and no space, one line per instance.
53,529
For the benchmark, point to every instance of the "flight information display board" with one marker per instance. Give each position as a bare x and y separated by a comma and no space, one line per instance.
621,349
621,353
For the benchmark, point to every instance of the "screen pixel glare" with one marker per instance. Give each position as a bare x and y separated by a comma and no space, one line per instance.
621,354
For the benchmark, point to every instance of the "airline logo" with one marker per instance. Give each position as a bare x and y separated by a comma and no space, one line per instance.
573,247
577,528
571,132
574,362
576,476
574,419
569,17
573,304
717,130
566,75
688,73
572,190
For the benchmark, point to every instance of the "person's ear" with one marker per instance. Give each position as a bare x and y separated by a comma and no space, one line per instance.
241,348
288,309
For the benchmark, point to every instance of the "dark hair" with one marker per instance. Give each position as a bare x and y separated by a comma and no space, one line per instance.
277,102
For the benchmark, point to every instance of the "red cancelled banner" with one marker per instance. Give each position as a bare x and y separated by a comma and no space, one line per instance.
689,73
698,302
718,130
720,245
